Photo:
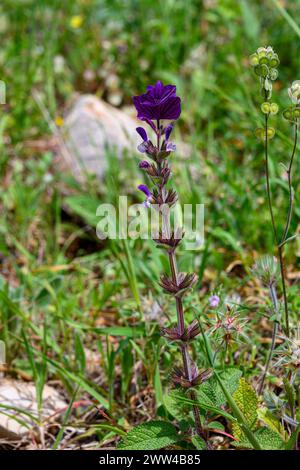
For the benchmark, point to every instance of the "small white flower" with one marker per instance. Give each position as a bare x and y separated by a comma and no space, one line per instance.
294,92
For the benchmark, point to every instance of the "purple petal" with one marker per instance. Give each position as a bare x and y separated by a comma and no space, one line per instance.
171,108
145,190
168,131
151,124
141,131
160,102
144,164
170,147
142,147
214,300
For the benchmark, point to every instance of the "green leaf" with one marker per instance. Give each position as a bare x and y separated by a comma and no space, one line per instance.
199,443
271,422
268,439
246,399
150,436
175,406
293,439
216,425
212,389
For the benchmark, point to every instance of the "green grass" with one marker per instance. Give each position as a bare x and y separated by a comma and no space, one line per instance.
65,294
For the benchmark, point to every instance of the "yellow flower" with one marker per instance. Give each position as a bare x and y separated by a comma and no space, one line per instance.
76,21
59,121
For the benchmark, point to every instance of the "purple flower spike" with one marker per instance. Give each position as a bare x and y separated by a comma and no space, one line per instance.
159,102
147,192
141,131
214,301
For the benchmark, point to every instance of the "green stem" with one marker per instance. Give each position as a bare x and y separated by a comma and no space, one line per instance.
239,415
278,243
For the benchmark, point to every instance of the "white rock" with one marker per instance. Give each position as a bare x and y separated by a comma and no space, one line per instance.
20,395
93,126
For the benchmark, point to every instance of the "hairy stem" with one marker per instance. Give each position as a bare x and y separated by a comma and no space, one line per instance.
184,347
273,296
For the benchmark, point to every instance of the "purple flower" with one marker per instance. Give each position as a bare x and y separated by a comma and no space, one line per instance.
147,192
170,147
144,145
143,165
159,102
141,131
214,301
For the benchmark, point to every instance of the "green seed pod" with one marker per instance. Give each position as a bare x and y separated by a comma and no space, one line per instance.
261,52
296,113
265,107
260,133
270,132
264,60
254,59
262,70
273,108
273,74
274,61
288,114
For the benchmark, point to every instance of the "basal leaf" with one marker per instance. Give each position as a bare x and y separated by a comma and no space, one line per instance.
150,436
268,439
271,422
246,399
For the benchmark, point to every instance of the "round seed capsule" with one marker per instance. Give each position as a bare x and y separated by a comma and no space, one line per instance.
260,133
254,60
296,113
273,108
265,107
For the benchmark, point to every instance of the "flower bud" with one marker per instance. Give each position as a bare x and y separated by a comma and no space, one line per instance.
266,269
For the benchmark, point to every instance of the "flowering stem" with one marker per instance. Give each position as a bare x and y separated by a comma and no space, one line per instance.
184,346
280,244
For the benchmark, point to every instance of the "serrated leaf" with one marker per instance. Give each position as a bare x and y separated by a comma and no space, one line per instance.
175,406
150,436
268,439
271,422
199,443
212,388
246,399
